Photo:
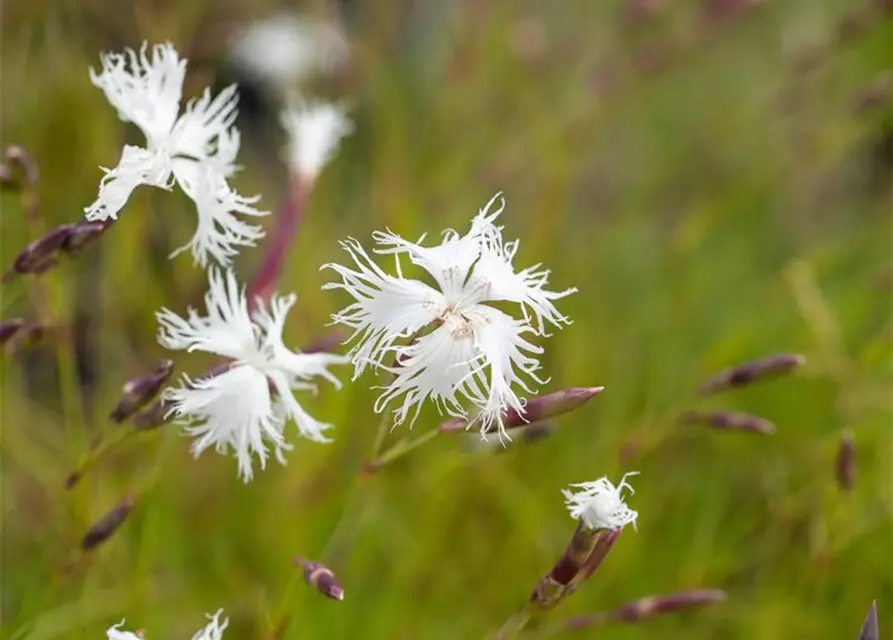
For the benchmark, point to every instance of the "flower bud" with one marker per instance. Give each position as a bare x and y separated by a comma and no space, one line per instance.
83,233
750,372
645,608
728,420
9,329
321,578
870,627
537,409
846,461
40,255
107,524
139,391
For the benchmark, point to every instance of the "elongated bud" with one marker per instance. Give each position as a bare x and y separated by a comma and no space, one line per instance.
40,255
870,627
552,587
82,234
729,421
9,328
750,372
537,409
107,524
645,608
139,391
152,417
846,461
321,578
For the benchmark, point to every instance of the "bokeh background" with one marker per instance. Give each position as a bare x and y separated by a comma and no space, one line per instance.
713,175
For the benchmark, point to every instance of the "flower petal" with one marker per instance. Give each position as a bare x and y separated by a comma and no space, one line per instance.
203,131
137,166
314,131
220,232
214,630
232,409
113,634
600,504
386,308
148,93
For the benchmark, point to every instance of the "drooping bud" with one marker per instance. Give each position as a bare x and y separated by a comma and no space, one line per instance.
870,627
139,391
83,233
645,608
728,420
107,524
321,578
846,461
750,372
536,410
9,328
40,255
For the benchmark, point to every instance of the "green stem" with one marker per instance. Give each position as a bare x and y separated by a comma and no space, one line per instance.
514,625
402,448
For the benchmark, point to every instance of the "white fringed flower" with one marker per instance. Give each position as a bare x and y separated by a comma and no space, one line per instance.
236,408
600,504
196,149
314,131
461,351
214,630
285,50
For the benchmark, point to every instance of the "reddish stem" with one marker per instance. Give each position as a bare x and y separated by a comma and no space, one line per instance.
280,241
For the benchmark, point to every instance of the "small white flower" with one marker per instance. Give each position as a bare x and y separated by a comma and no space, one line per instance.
600,504
285,50
474,353
196,149
314,131
236,408
214,630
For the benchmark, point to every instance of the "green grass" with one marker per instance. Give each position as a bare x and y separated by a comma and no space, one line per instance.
727,205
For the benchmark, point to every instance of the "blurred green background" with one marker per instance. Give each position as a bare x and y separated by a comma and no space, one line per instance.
714,177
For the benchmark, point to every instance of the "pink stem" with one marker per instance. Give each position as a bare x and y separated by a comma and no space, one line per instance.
280,241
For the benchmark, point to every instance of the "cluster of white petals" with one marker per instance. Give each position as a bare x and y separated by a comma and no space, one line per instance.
445,342
214,630
600,504
195,149
237,408
314,131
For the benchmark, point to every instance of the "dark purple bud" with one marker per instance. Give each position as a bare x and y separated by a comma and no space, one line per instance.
846,461
40,255
750,372
870,627
537,409
82,234
9,328
139,391
728,420
645,608
107,524
321,578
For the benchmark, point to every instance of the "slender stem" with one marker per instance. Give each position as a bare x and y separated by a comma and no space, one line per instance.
402,448
281,238
514,625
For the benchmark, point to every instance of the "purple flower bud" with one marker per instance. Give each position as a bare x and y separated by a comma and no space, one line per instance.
83,233
40,255
107,524
9,328
728,420
321,578
139,391
870,628
750,372
846,461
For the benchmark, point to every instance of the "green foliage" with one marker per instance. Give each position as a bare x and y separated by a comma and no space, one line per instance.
709,186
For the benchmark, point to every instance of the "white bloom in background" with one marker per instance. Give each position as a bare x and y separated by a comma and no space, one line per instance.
214,630
600,504
196,149
236,408
314,131
464,351
286,50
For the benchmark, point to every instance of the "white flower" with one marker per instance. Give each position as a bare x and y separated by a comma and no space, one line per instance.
462,350
285,50
196,149
600,504
214,630
314,131
236,408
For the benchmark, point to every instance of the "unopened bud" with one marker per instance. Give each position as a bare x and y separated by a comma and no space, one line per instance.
15,157
139,391
321,578
151,418
846,461
870,627
537,409
82,234
728,420
9,328
645,608
40,255
107,524
750,372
